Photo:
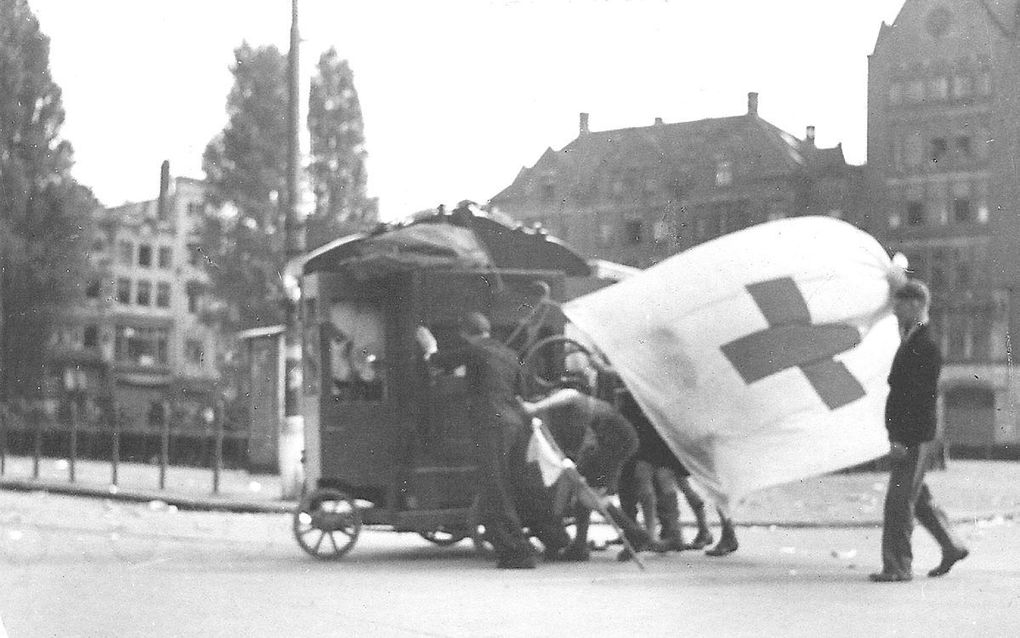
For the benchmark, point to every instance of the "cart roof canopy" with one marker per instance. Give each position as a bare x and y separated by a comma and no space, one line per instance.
465,238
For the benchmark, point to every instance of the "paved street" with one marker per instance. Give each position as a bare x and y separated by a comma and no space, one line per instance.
83,567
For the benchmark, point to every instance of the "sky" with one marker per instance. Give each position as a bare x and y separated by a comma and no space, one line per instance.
457,95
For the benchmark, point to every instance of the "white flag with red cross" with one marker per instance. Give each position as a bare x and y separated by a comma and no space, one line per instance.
762,356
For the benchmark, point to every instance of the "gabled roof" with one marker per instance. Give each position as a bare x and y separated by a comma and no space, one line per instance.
676,151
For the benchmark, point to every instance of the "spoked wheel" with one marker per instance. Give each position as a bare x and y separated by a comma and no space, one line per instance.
444,537
327,523
536,354
477,530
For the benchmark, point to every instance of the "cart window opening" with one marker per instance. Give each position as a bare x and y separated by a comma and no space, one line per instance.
356,343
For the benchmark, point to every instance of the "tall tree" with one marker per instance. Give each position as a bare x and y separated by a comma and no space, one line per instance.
246,167
45,216
337,170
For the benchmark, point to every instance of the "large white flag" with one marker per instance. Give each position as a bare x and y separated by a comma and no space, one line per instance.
761,357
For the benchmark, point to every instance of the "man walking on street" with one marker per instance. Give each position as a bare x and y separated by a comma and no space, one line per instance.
911,420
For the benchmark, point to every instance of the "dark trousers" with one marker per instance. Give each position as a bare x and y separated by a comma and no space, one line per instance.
908,497
499,508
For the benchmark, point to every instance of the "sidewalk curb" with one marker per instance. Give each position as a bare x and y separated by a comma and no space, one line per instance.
225,504
181,501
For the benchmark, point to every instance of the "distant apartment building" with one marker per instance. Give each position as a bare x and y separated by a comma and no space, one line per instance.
638,195
138,338
943,114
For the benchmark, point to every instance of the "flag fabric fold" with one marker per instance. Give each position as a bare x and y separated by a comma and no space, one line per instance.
762,356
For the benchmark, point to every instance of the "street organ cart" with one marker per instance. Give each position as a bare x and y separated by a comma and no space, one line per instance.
387,439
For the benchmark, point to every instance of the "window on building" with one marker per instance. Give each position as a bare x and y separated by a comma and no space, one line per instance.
701,229
774,210
895,93
141,346
937,203
918,266
90,336
144,255
913,150
194,291
548,192
962,212
166,257
958,336
194,253
984,83
125,252
962,146
939,265
914,91
963,86
124,290
723,173
894,220
938,149
981,337
660,231
143,293
915,213
194,350
93,289
163,294
938,87
195,208
963,273
633,232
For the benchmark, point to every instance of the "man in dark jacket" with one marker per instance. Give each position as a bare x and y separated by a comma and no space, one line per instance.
910,419
492,374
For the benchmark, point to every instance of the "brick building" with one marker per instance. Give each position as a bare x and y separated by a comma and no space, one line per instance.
137,338
943,110
637,195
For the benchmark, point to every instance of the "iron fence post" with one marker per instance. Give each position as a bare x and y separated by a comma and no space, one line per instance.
164,447
218,418
36,441
73,442
115,452
3,438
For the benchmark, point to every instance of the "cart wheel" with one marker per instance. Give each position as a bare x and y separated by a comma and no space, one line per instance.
327,513
444,537
534,380
482,546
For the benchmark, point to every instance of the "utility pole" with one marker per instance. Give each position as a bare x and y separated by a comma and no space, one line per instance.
291,439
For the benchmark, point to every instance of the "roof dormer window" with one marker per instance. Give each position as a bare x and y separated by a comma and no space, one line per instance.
723,172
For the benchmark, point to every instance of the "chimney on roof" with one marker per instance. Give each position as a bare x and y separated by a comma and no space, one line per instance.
583,125
752,103
809,135
164,188
658,121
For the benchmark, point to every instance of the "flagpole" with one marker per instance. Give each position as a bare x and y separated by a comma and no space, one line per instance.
592,498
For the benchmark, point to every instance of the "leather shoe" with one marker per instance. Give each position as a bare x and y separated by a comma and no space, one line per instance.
724,547
517,561
948,561
889,577
702,540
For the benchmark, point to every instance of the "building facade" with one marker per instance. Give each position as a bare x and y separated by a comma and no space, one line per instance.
138,339
637,195
943,115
